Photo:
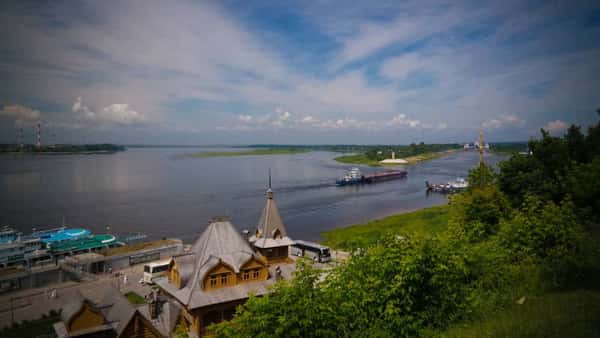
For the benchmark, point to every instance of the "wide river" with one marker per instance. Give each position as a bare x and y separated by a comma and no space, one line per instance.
151,190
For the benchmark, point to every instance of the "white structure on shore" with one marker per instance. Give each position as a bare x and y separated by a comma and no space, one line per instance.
394,160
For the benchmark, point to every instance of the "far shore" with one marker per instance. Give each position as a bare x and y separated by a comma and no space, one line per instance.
268,151
362,159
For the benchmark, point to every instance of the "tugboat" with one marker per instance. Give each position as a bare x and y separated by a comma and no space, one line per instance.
354,176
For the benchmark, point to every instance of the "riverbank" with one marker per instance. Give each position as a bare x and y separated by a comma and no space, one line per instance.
254,152
425,222
362,159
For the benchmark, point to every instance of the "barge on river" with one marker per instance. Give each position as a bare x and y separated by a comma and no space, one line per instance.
354,176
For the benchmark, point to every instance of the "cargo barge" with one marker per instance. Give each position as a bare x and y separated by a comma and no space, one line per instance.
354,176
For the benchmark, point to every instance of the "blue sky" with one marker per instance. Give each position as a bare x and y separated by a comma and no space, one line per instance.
238,72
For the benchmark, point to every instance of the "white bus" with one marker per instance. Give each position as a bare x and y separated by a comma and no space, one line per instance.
155,270
311,250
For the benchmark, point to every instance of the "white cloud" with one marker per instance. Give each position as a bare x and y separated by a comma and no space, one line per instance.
80,108
503,121
21,114
556,127
116,113
245,118
121,113
308,120
403,120
401,66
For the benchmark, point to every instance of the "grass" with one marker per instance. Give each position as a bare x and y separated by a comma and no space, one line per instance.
267,151
565,314
135,298
138,246
357,159
426,222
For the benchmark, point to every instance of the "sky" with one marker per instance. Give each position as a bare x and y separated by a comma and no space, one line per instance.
296,72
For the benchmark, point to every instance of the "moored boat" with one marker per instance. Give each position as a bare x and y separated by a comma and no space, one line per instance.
451,187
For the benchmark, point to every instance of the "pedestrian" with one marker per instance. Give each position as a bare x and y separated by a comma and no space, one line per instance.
125,280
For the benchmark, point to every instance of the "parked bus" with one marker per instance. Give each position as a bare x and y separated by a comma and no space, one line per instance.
155,270
311,250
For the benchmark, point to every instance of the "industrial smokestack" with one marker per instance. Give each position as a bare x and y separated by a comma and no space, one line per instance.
39,135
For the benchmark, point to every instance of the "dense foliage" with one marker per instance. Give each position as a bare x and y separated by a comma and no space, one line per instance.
522,232
557,168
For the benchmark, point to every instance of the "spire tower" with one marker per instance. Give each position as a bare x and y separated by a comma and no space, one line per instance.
481,145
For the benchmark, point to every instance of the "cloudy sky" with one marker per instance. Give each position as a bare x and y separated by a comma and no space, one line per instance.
238,72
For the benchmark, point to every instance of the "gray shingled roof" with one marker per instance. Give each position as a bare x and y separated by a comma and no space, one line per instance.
200,298
114,307
220,242
268,224
117,310
72,307
185,264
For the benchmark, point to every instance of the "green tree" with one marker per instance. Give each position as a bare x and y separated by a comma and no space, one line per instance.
481,176
576,145
294,309
476,213
397,288
542,230
582,184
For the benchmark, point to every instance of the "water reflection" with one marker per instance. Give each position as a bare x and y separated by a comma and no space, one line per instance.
154,191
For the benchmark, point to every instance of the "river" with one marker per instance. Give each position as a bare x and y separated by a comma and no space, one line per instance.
154,191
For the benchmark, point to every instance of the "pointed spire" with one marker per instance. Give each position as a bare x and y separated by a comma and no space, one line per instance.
270,224
269,191
481,163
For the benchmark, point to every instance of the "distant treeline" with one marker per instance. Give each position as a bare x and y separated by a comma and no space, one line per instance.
62,148
376,152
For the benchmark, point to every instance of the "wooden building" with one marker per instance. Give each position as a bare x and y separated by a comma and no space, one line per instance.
222,268
270,237
112,317
216,276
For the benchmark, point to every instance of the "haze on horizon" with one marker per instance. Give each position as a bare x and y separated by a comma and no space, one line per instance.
240,72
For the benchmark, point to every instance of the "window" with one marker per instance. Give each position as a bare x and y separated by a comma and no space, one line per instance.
246,275
213,281
223,279
255,274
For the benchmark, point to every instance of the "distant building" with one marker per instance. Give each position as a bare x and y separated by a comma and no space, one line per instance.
394,160
113,316
222,268
475,145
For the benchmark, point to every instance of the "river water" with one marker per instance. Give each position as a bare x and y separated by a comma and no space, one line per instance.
152,190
